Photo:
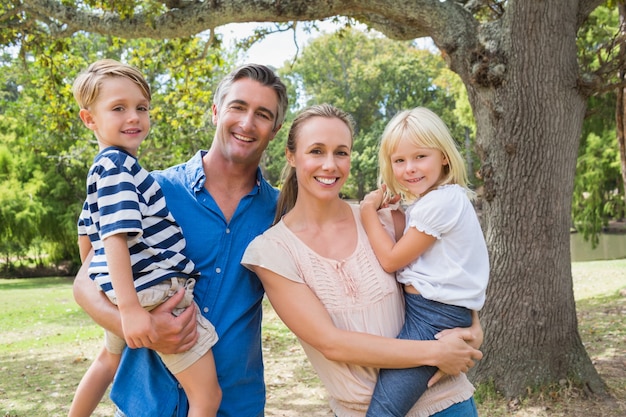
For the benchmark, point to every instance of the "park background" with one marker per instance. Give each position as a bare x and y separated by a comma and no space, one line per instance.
540,184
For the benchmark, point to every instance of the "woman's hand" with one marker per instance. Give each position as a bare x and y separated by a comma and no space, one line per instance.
473,335
456,355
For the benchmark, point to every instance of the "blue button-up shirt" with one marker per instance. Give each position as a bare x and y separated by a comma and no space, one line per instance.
228,294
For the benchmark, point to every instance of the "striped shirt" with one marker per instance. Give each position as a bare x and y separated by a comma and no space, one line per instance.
122,197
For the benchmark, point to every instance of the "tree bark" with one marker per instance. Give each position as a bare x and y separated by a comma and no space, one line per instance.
529,128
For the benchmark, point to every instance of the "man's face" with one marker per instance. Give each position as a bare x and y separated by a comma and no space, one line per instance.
245,123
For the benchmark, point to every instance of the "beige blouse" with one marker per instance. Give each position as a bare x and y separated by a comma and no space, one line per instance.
359,296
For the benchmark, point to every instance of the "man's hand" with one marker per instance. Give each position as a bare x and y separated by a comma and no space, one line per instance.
173,334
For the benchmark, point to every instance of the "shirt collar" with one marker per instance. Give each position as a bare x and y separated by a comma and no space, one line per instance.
196,176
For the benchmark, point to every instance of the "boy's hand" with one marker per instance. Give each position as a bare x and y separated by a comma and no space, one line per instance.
137,326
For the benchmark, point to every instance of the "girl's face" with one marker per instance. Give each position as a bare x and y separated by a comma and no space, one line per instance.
322,157
119,116
417,169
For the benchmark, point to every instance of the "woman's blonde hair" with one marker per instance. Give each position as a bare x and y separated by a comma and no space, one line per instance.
425,130
289,191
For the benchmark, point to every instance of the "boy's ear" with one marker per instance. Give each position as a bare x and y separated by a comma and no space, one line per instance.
87,118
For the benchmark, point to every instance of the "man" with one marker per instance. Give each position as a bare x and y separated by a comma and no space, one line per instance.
221,202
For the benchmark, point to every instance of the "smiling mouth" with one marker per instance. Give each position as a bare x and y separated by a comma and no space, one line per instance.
414,180
243,138
326,181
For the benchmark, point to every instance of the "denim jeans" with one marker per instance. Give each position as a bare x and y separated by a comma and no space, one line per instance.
465,408
397,390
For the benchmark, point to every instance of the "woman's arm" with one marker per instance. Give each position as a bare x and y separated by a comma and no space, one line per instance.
307,318
174,334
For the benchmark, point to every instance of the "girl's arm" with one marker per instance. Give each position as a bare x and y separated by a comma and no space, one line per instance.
391,255
307,318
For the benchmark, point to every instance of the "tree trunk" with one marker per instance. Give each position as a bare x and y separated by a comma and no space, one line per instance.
620,107
528,138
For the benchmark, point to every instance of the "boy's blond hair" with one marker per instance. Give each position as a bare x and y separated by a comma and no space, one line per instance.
425,130
87,85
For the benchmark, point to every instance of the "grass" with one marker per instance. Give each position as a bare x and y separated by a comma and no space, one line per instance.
47,342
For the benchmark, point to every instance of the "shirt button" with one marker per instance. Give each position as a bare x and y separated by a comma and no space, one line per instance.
227,230
218,270
205,310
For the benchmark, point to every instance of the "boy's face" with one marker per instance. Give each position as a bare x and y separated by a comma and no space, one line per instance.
120,115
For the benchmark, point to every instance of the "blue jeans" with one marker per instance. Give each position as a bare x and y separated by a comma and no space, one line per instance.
397,390
465,408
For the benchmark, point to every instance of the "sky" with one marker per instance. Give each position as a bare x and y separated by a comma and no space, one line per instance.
276,48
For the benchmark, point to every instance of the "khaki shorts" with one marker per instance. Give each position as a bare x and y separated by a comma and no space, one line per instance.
152,297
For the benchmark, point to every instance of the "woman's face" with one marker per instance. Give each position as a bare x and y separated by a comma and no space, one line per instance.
322,157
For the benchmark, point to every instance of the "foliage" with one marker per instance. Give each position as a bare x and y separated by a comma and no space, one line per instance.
598,187
372,78
43,174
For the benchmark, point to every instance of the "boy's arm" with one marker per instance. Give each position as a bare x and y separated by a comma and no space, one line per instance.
174,334
136,322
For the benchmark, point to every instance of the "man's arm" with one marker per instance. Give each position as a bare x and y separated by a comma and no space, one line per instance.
174,334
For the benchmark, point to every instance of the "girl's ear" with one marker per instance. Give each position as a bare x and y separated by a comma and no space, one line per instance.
87,118
444,160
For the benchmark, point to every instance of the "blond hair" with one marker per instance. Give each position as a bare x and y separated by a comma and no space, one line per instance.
424,129
87,85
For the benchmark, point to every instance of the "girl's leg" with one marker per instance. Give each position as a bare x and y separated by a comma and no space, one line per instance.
201,386
94,384
397,390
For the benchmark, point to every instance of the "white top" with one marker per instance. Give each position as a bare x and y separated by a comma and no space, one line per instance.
455,269
359,296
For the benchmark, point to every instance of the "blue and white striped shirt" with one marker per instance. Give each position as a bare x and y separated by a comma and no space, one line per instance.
122,197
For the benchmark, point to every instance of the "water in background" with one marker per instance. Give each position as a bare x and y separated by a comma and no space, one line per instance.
611,246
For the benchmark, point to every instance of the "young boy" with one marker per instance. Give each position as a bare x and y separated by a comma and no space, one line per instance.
139,258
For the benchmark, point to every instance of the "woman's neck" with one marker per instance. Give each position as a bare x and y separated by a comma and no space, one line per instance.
328,228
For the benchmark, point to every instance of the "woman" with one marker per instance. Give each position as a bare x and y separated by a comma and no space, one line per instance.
323,280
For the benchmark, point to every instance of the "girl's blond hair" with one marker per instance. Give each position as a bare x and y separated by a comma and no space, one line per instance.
425,130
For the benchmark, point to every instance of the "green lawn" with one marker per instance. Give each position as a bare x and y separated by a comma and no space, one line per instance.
47,343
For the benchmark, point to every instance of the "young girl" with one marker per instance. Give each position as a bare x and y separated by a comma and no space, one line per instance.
441,259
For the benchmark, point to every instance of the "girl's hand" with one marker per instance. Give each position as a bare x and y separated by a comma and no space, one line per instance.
374,199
